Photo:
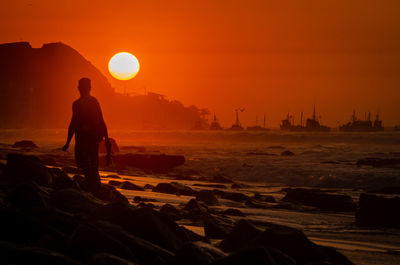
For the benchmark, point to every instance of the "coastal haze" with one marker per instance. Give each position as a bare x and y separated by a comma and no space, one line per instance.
266,57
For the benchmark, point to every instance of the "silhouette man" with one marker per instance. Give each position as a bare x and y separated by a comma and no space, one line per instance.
88,125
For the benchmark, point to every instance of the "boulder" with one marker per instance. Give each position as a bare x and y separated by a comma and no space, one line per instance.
216,228
28,168
290,241
88,240
256,256
287,153
207,196
72,170
148,187
114,146
198,253
220,179
115,183
193,206
233,212
19,254
110,194
264,198
322,200
111,176
144,251
146,223
28,195
126,185
242,233
378,211
74,201
25,144
61,180
170,211
174,188
234,196
109,259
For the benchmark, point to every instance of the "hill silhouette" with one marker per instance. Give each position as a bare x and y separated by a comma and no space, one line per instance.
38,86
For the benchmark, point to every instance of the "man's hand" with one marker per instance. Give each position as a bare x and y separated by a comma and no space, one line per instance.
65,147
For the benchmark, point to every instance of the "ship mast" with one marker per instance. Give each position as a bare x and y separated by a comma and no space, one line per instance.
313,116
264,120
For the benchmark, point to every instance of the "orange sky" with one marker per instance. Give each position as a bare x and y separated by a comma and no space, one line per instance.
266,56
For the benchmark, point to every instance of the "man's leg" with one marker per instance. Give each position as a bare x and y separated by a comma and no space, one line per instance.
93,177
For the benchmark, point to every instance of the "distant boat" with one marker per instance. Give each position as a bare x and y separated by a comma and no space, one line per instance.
356,125
257,127
237,126
312,124
215,126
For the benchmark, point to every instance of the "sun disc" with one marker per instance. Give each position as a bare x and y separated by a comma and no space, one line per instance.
123,66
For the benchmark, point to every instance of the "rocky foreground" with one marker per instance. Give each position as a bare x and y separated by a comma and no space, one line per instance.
49,218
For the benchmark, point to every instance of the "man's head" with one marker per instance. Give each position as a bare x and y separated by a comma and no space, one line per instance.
84,86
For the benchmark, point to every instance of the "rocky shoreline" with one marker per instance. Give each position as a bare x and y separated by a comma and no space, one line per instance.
49,218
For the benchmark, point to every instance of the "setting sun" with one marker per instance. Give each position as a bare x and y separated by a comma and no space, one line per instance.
123,66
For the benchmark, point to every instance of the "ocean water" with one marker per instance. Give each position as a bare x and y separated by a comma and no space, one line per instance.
320,159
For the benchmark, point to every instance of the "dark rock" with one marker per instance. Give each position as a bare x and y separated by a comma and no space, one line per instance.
115,183
322,200
28,195
171,212
233,212
74,201
20,254
148,162
207,196
126,185
148,187
146,205
234,196
220,179
378,211
87,240
144,251
386,190
79,182
265,198
194,206
110,194
217,186
112,176
72,170
198,253
290,241
216,228
174,188
146,223
242,233
61,180
378,162
256,256
276,147
28,168
108,259
114,146
141,199
237,186
287,153
25,144
257,204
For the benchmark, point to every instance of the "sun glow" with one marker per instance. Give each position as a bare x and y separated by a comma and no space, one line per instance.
123,66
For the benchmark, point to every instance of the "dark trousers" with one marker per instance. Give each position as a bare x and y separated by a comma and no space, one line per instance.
87,159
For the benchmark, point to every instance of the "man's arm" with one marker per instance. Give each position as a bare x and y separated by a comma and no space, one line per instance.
71,129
